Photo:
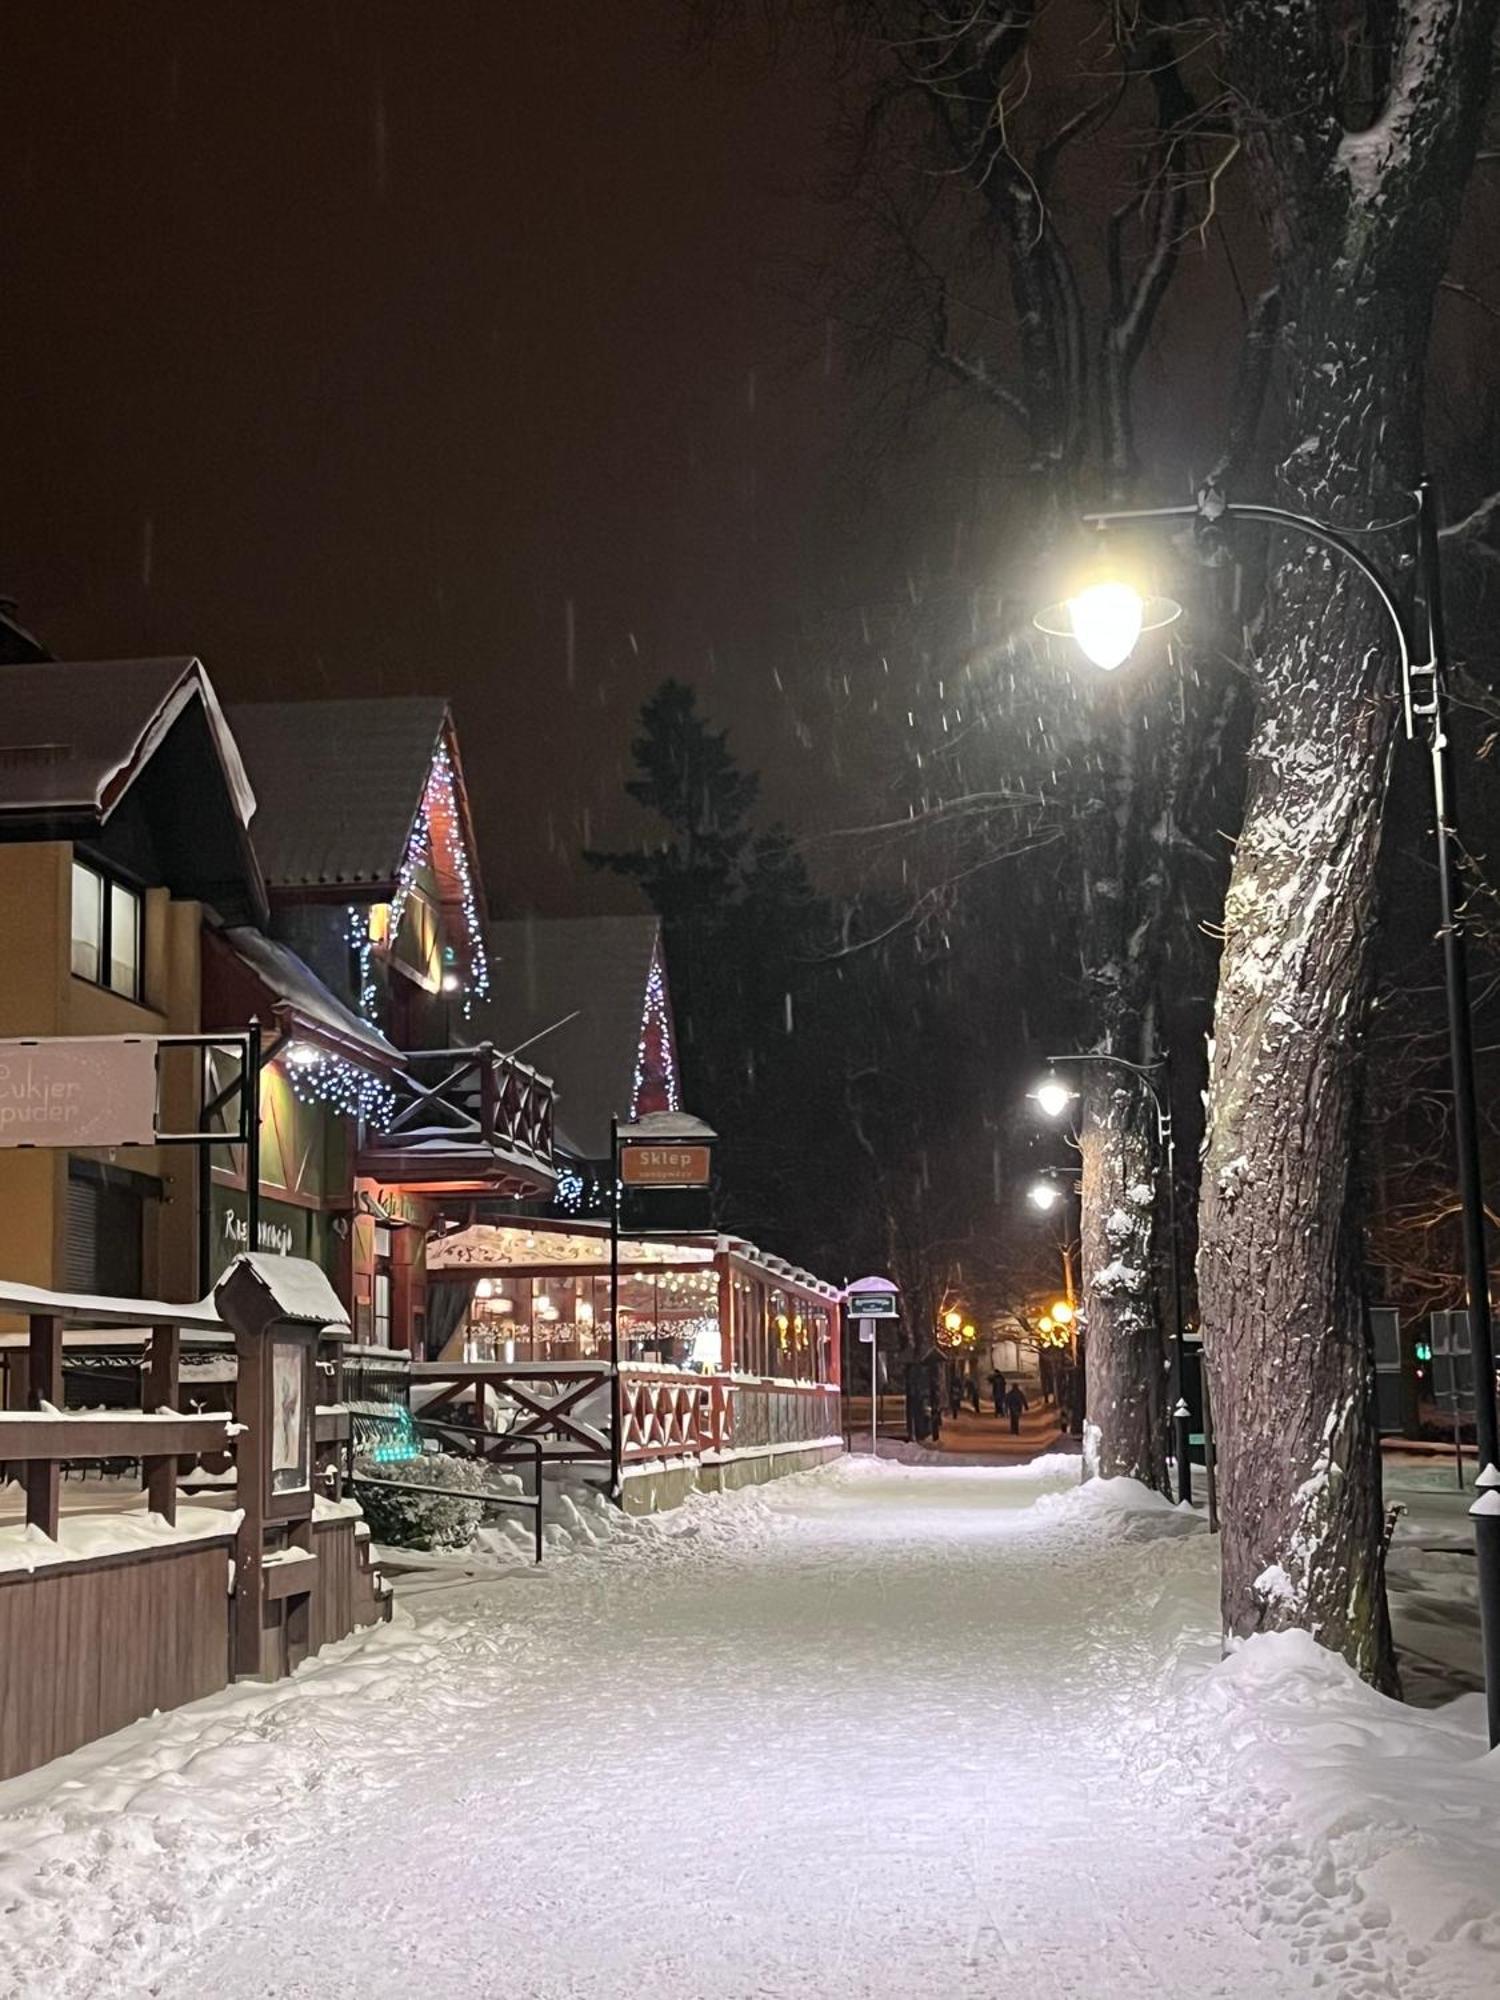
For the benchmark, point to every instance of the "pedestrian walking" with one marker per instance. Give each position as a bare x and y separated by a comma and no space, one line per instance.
1015,1402
997,1391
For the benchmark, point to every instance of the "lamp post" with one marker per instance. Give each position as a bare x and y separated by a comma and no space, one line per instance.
1053,1096
1107,627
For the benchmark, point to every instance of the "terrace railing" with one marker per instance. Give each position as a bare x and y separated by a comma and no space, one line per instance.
459,1113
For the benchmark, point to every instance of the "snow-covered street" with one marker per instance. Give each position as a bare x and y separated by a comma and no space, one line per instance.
877,1731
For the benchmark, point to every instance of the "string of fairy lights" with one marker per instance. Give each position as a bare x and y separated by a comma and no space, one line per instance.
440,800
317,1076
656,1025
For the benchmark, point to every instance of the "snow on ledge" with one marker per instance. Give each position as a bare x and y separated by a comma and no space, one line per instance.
89,1537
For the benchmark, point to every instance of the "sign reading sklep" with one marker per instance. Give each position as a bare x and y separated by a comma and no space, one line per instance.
664,1165
78,1090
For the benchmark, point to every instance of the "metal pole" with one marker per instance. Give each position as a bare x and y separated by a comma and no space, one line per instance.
1465,1108
874,1344
616,1401
250,1093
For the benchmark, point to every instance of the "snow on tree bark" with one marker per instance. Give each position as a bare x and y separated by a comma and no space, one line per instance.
1125,1354
1359,228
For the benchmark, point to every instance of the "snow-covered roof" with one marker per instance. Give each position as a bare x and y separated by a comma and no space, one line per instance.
339,785
287,979
544,970
538,1245
76,734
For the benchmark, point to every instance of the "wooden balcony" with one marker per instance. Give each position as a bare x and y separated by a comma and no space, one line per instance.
466,1120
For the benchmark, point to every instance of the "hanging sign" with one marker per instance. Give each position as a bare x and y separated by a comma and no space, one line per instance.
664,1165
78,1090
872,1305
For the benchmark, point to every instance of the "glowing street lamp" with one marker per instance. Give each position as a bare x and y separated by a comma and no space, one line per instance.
953,1320
1044,1324
1053,1096
1044,1194
1062,1313
1106,616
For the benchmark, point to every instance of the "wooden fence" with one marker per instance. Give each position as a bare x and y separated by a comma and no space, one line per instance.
123,1602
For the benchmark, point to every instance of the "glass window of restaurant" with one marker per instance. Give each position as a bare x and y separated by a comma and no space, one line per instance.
667,1316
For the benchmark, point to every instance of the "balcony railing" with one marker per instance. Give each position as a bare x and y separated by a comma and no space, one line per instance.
466,1117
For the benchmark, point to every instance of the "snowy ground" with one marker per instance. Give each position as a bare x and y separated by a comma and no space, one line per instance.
881,1731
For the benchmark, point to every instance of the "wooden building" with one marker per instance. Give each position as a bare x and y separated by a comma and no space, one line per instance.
365,838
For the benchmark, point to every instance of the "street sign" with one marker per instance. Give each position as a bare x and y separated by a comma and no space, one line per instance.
78,1090
665,1166
873,1305
1452,1362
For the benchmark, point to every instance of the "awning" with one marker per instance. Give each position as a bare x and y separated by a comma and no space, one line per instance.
304,1008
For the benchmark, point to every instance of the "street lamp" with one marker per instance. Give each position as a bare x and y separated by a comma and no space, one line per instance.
1053,1095
1106,616
1145,1074
1423,654
1044,1193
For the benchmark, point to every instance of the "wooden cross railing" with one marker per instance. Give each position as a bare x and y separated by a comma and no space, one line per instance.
546,1402
479,1099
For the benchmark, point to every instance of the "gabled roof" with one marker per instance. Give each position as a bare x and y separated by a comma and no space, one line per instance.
76,734
339,785
545,968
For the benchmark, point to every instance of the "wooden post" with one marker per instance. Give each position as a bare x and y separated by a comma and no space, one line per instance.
249,1473
43,1482
162,1376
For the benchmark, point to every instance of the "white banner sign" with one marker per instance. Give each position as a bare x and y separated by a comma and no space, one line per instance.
79,1090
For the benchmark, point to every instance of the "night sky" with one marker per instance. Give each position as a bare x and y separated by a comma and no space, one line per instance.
458,348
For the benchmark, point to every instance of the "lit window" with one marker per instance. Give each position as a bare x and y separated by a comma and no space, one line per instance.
88,922
124,940
106,932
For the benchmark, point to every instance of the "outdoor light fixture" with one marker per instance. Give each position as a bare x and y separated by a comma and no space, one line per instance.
1106,615
1053,1096
1062,1313
304,1055
1044,1194
953,1321
1044,1324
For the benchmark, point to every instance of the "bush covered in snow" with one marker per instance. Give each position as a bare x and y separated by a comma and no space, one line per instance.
402,1519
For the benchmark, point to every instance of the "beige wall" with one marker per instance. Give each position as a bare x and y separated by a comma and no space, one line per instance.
40,996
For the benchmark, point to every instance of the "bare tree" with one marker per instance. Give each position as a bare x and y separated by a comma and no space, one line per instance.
1358,201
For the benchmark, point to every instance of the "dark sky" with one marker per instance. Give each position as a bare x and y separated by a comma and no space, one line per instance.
444,347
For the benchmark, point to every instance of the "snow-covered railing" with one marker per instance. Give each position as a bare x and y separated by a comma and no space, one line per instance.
468,1113
41,1439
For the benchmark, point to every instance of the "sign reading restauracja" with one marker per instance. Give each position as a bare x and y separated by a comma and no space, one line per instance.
78,1090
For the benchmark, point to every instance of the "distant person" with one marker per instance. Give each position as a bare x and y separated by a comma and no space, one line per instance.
997,1391
955,1392
1015,1402
971,1390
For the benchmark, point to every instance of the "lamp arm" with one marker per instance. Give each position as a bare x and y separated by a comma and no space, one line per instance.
1143,1072
1317,531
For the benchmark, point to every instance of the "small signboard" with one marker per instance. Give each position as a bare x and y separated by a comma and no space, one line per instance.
664,1165
872,1305
78,1090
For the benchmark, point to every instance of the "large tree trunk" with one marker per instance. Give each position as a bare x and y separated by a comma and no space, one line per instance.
1359,227
1281,1252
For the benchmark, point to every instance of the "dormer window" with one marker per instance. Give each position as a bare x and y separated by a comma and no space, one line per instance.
107,931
